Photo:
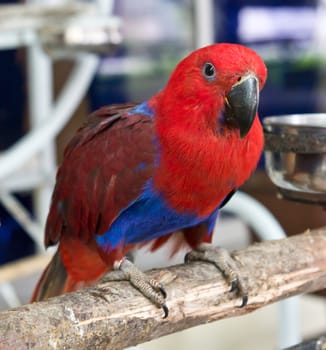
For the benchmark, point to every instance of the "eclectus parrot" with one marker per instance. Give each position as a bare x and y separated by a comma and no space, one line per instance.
138,174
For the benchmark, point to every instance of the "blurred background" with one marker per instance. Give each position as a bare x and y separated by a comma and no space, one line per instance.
136,45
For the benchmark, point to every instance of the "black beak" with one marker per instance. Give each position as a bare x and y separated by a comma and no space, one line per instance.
241,104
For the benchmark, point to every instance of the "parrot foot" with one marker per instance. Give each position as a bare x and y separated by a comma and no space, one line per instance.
225,262
125,270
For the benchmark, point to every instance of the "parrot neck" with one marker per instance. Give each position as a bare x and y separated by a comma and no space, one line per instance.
203,166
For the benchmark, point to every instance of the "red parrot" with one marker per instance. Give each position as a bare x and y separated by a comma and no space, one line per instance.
136,174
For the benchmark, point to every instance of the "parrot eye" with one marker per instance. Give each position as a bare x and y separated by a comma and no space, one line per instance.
209,71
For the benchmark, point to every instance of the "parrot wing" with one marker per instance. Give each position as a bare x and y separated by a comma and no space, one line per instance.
105,167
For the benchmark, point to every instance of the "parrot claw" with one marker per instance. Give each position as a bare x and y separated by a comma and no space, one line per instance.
222,259
244,301
163,291
153,290
165,310
234,285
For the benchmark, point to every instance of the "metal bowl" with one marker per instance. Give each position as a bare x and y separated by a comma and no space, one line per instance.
295,151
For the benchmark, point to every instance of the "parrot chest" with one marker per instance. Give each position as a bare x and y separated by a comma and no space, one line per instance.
196,173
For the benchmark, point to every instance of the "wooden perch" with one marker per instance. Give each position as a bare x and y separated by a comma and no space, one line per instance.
197,294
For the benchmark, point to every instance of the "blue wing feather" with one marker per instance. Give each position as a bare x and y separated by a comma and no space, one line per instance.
148,217
142,108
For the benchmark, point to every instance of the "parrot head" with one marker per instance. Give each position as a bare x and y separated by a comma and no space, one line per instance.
222,83
208,135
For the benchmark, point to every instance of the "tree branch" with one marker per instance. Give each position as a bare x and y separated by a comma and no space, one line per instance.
198,294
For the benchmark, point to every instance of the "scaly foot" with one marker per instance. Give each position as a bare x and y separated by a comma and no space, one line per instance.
224,261
125,270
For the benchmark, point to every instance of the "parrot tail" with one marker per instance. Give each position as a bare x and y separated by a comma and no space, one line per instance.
82,272
52,281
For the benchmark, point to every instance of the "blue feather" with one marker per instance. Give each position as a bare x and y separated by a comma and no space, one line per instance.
142,108
148,217
141,166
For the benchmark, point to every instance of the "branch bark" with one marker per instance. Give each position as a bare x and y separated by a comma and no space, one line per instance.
121,317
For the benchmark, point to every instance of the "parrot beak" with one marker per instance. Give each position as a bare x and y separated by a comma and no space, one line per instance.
241,104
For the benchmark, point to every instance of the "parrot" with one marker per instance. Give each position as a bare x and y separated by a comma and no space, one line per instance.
143,174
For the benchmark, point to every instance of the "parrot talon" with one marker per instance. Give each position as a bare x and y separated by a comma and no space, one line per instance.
187,258
165,310
163,291
244,301
222,259
234,285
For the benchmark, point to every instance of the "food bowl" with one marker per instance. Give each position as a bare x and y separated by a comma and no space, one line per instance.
295,151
